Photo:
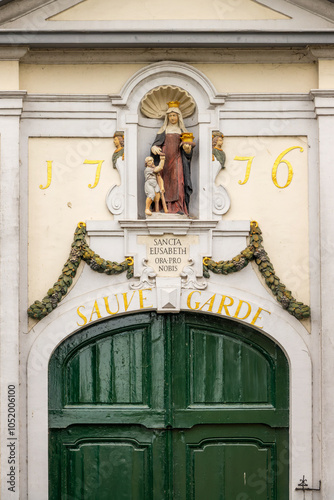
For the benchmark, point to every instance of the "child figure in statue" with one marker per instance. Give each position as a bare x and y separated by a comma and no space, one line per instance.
177,144
154,187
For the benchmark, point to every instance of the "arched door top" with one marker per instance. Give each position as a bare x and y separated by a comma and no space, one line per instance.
61,324
222,364
170,397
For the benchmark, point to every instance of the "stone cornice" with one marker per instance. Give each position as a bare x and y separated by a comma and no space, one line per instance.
188,55
322,52
268,97
11,102
327,93
323,102
203,39
67,98
12,53
157,226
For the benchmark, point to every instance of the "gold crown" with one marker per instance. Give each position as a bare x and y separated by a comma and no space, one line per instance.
187,137
173,104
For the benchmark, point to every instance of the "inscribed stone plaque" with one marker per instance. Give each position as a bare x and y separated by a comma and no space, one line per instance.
168,254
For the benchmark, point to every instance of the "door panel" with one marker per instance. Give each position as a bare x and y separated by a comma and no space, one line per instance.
105,374
168,407
113,370
229,462
105,462
226,370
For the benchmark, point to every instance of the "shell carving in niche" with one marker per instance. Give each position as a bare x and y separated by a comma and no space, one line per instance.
154,103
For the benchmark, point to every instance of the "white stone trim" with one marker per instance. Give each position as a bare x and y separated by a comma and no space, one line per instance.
10,110
269,116
300,55
324,105
156,74
12,53
205,96
279,326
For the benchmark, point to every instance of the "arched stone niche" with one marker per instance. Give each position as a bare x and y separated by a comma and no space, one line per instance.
140,132
147,130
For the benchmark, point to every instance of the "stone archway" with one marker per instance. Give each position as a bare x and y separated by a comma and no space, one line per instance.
162,406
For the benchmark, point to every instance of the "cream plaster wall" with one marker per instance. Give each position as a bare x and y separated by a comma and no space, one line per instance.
110,10
326,74
254,78
281,213
54,212
9,75
76,79
109,78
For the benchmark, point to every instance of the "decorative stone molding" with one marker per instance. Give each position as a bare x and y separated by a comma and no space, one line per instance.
115,196
154,104
168,295
147,279
189,279
218,55
177,69
12,53
221,200
323,102
11,102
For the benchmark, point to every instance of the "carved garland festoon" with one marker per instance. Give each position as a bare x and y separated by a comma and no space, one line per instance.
256,252
79,251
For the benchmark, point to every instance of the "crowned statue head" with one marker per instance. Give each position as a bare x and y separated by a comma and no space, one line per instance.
173,122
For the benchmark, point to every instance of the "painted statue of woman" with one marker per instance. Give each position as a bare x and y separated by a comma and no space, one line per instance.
176,143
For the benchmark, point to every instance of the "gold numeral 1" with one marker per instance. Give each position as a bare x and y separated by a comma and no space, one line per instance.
98,171
249,160
49,175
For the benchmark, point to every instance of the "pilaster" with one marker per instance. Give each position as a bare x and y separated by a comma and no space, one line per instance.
10,111
324,107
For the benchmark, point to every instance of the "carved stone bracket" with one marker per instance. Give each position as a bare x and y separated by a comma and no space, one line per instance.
115,195
221,200
147,278
188,278
168,295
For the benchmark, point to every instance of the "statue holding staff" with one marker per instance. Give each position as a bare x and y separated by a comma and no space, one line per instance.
176,143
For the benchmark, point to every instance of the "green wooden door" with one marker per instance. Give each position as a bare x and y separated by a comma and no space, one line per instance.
168,407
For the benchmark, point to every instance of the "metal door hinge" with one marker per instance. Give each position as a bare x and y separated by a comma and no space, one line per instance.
303,486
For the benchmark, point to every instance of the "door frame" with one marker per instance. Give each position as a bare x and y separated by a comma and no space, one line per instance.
53,330
173,341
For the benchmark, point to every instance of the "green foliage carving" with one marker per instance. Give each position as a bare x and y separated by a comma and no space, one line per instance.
79,251
256,252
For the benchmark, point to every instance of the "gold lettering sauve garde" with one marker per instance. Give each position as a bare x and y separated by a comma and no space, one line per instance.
225,305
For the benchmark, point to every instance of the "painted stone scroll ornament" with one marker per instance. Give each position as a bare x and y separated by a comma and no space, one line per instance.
221,199
176,143
115,195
